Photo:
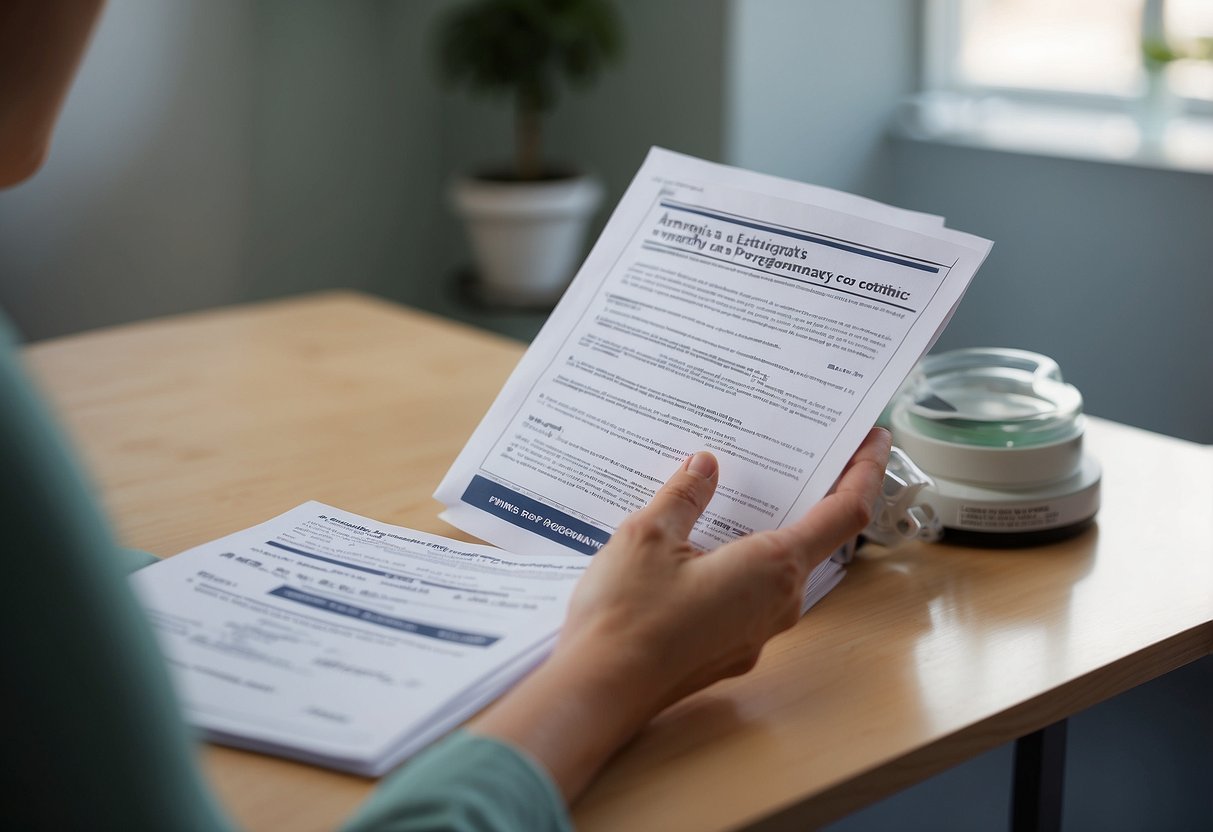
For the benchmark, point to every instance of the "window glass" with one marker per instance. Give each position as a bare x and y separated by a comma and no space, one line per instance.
1086,46
1189,27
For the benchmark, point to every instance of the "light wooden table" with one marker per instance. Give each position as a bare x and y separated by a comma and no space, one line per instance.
200,425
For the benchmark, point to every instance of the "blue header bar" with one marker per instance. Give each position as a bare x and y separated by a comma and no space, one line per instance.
372,617
534,516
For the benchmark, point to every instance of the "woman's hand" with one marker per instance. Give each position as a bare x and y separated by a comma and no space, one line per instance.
654,619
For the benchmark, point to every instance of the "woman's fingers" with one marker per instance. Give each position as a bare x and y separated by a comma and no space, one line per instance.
865,471
677,504
848,508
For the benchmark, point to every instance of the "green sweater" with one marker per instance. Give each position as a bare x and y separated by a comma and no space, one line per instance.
94,738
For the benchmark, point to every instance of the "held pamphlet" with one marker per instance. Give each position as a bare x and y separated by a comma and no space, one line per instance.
765,320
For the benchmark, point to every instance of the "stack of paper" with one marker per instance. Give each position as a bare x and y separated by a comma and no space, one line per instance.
337,640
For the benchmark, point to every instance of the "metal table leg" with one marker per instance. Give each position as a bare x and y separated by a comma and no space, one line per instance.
1040,766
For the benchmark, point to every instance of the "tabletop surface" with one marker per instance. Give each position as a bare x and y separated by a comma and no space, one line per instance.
200,425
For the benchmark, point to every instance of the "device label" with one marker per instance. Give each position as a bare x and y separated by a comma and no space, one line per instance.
1008,518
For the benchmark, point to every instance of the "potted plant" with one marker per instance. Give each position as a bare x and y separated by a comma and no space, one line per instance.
527,222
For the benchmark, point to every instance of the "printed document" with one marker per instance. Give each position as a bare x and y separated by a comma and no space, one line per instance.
764,320
341,641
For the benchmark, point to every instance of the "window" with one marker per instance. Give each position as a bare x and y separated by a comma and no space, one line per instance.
1130,79
1189,29
1080,46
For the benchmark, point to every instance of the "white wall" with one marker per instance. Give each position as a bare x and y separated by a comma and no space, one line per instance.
812,86
347,157
143,207
216,151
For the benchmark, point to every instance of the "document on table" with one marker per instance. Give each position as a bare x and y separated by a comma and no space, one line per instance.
341,641
765,320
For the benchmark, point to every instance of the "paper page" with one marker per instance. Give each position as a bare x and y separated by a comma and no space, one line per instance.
336,639
764,320
821,580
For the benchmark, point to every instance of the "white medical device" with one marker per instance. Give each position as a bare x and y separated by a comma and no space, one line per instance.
999,436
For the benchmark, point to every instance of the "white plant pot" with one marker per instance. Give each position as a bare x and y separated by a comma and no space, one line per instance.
527,237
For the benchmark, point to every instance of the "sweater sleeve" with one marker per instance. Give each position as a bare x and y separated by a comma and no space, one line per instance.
99,742
465,783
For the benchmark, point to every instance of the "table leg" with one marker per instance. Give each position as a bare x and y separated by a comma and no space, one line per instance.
1040,767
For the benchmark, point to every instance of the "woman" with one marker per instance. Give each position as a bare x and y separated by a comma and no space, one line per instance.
95,736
